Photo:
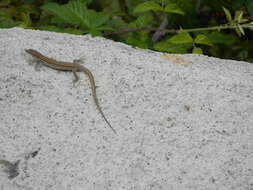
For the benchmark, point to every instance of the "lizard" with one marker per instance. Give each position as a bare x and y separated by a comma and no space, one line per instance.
73,67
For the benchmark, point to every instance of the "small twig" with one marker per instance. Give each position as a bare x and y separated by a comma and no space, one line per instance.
159,34
222,27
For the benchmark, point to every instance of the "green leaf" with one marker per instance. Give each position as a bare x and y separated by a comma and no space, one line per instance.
249,6
197,50
251,26
26,20
105,28
238,16
6,22
76,13
236,4
94,32
61,30
182,38
171,47
86,1
202,39
141,21
239,30
137,40
148,6
222,38
173,8
71,13
95,19
228,14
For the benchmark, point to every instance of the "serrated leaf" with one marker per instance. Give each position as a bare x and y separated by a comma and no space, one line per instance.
76,13
228,14
182,38
173,8
148,6
60,12
197,50
202,39
95,19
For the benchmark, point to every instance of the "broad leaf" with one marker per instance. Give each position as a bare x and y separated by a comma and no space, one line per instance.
138,39
148,6
95,19
76,13
71,13
197,50
202,39
141,21
173,8
182,38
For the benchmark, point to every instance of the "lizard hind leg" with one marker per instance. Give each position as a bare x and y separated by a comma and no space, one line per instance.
76,77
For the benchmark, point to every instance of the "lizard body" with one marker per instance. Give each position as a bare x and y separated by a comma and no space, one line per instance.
74,67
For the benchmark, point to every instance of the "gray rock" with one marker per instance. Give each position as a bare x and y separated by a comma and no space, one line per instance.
180,125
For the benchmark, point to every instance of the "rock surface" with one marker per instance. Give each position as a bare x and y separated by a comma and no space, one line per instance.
180,126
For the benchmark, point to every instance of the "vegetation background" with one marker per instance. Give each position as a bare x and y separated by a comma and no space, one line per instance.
219,28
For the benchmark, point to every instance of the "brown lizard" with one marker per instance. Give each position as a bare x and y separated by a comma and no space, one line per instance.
74,67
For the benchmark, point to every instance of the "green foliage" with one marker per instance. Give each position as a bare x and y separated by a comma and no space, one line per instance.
182,38
202,39
203,27
249,7
228,14
167,46
173,8
223,38
153,6
148,6
76,14
15,13
140,38
186,41
197,50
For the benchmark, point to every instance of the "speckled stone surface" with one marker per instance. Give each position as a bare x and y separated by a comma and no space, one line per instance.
180,126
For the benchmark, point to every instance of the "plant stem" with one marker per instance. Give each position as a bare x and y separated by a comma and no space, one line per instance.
222,27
